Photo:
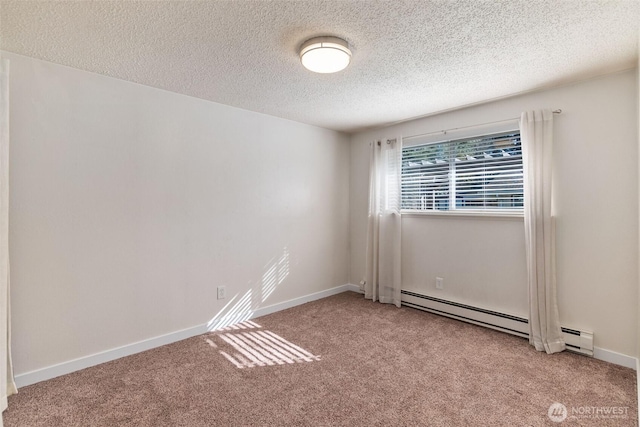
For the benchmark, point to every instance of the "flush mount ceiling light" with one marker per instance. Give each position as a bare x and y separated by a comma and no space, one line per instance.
325,54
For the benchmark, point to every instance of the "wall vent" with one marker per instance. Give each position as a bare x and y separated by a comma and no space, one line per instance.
577,341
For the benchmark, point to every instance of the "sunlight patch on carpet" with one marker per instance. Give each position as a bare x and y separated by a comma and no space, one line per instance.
248,349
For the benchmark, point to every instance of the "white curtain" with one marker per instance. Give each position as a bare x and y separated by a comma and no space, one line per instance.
7,384
536,129
382,277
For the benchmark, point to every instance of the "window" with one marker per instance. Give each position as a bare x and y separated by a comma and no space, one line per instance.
472,174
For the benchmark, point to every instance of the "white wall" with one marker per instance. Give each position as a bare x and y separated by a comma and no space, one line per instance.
129,205
638,307
482,260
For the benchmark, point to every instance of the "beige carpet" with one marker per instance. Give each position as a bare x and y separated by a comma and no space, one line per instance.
344,361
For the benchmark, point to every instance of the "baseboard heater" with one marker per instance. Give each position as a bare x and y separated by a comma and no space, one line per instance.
577,341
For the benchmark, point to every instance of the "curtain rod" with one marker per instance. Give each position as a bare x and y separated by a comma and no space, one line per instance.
558,111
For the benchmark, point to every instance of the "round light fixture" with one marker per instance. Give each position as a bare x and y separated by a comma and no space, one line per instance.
325,54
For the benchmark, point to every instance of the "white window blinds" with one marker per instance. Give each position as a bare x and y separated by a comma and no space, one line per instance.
480,173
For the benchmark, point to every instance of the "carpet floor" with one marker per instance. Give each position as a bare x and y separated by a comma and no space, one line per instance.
339,361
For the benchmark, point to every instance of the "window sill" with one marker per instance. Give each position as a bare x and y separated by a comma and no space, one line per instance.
465,214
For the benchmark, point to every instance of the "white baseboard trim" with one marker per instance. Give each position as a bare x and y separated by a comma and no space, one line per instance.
616,358
43,374
354,288
304,299
64,368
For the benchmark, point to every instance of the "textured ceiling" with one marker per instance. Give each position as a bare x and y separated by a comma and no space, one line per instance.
410,58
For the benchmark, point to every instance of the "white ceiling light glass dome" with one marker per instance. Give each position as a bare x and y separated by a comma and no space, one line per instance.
325,54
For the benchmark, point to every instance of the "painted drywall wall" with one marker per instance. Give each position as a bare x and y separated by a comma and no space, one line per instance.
130,205
596,182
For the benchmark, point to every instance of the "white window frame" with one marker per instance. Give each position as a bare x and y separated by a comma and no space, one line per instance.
458,135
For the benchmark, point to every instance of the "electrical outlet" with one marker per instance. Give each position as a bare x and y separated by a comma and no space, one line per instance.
439,283
222,292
